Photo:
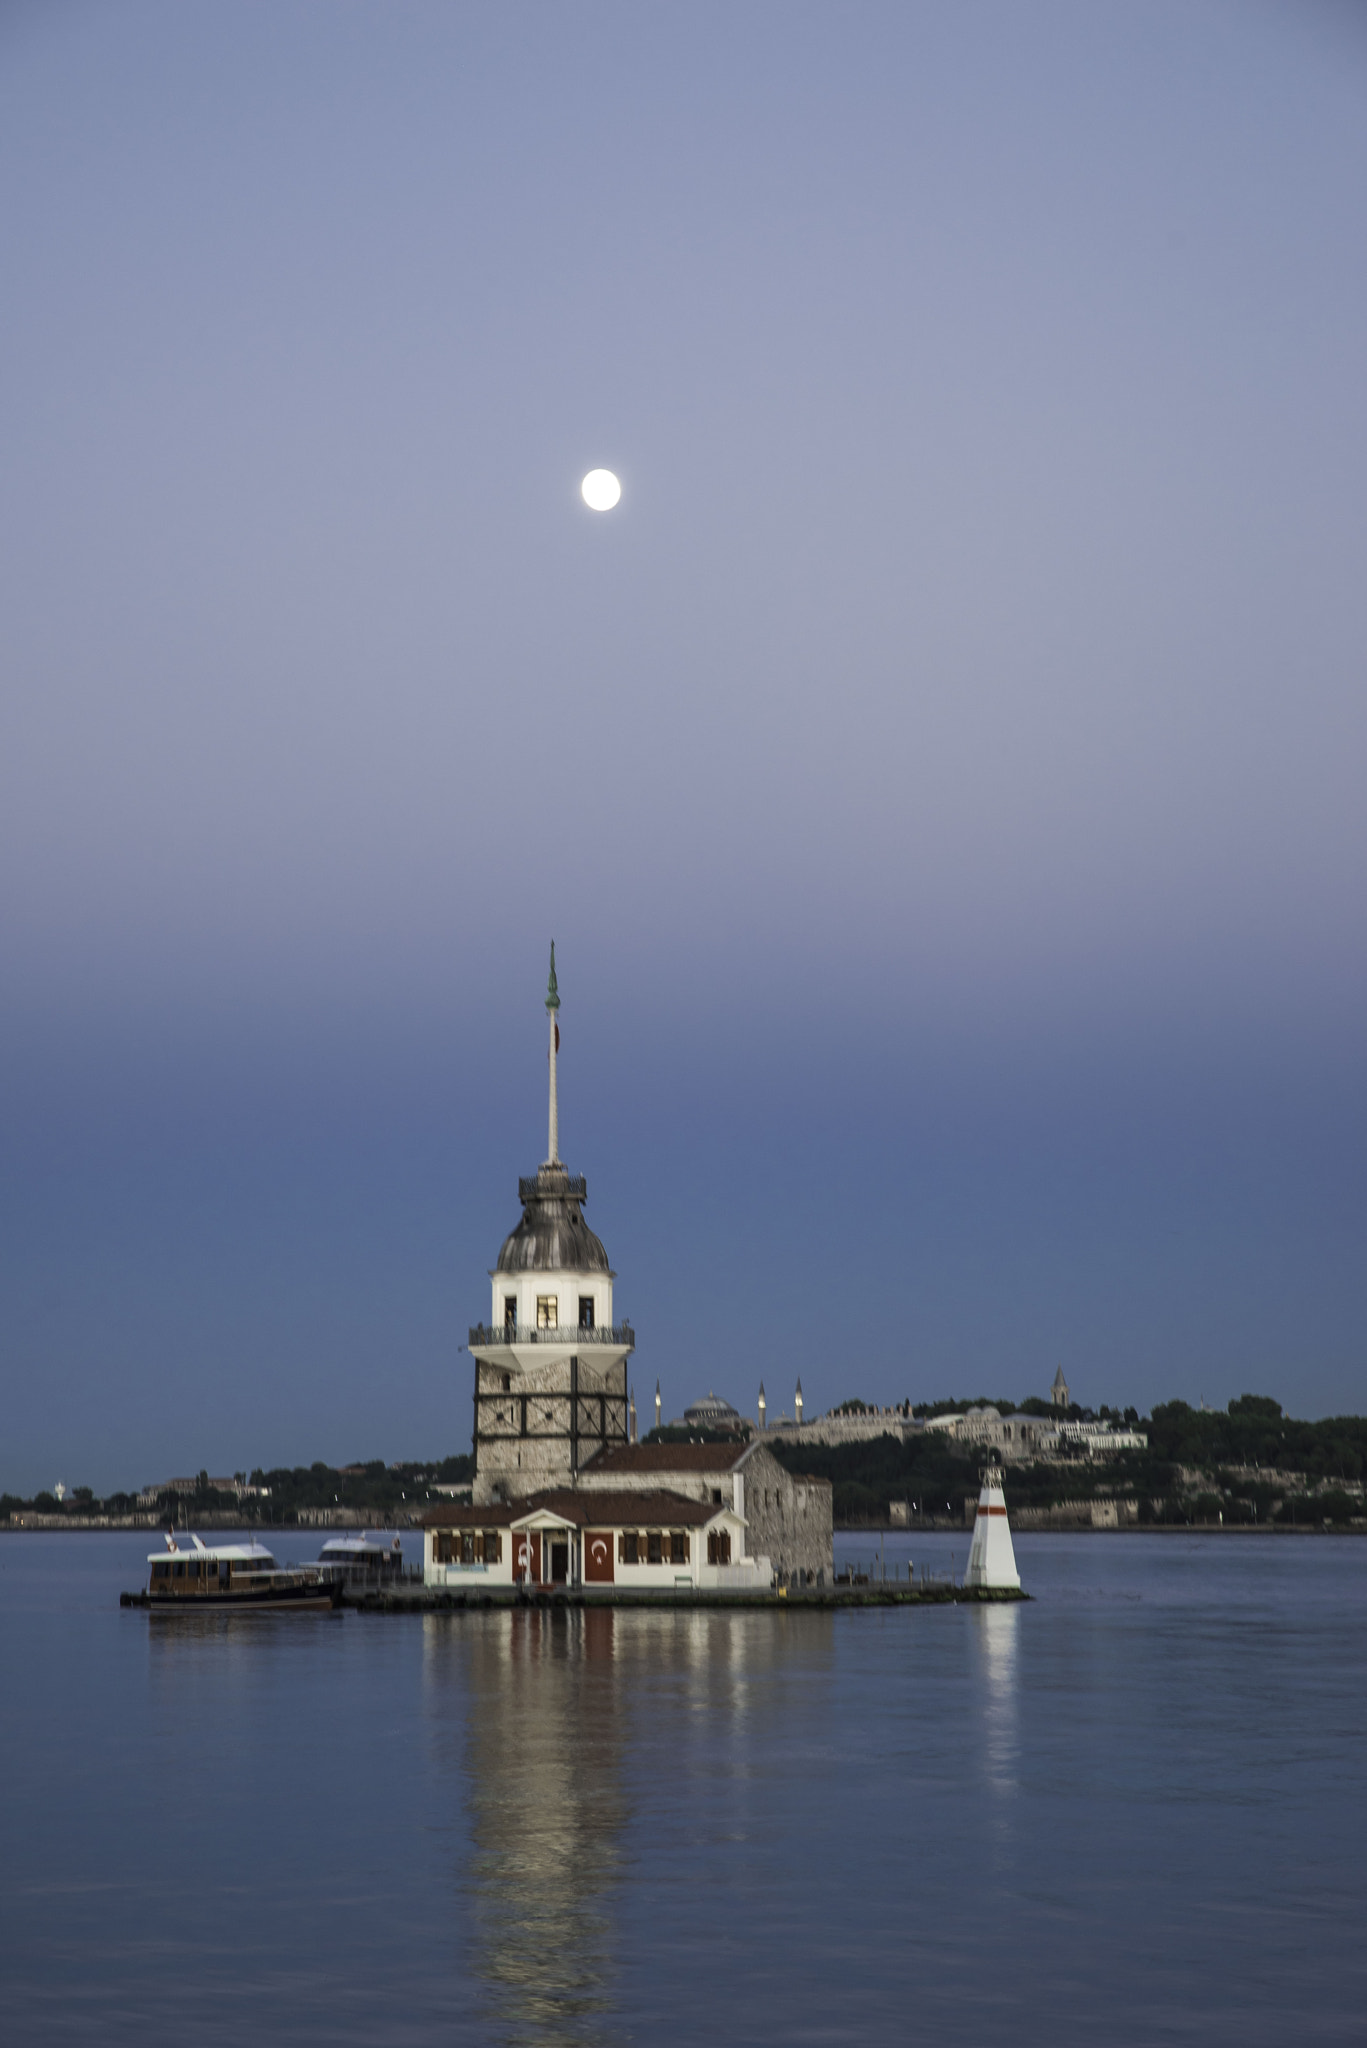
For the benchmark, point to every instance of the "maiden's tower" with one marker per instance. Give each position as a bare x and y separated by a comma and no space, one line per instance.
550,1364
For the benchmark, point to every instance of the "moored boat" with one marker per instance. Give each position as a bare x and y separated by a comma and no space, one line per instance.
361,1560
190,1576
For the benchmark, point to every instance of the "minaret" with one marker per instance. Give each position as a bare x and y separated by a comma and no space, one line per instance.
657,1404
552,1005
763,1407
797,1404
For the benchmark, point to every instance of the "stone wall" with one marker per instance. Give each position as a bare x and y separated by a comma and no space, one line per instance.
846,1429
790,1520
1121,1513
508,1465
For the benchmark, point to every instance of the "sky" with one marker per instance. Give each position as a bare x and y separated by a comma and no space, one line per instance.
942,773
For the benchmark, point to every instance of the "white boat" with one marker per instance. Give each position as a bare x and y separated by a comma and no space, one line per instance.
361,1559
190,1575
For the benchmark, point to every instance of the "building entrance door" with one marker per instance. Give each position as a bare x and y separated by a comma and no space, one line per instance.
560,1560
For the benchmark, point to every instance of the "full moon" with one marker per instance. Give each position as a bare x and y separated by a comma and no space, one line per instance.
600,490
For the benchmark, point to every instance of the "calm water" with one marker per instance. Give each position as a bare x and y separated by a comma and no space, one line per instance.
1131,1811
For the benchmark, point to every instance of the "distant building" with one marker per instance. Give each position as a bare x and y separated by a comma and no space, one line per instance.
713,1413
1058,1393
853,1425
183,1488
1100,1439
1020,1438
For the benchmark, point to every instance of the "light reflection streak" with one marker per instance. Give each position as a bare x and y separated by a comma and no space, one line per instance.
998,1632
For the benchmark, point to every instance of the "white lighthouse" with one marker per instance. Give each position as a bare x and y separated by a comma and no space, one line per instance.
550,1364
991,1558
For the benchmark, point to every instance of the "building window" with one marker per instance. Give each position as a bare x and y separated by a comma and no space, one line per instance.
719,1546
507,1382
547,1311
627,1547
678,1547
586,1311
510,1311
493,1547
467,1546
654,1552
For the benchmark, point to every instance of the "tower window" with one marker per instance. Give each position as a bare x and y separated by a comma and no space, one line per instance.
510,1311
586,1311
547,1311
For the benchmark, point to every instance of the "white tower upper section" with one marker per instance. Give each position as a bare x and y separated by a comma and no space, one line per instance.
552,1287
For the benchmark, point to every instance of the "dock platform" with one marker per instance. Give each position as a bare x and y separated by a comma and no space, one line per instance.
416,1599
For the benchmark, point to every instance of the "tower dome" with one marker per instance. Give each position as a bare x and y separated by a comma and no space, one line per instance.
552,1236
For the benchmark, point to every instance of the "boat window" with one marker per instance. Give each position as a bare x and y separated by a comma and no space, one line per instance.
161,1571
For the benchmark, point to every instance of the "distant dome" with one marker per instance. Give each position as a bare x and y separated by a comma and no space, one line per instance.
552,1236
711,1413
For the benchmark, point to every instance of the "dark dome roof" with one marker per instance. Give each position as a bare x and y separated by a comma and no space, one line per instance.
552,1236
711,1411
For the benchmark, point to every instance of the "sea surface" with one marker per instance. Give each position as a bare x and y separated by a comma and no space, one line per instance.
1129,1811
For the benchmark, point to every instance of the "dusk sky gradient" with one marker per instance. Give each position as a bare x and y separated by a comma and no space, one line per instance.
942,775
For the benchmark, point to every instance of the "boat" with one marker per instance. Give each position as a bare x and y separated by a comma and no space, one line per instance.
189,1576
361,1560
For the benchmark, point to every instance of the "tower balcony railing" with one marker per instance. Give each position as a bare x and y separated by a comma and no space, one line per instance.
575,1185
573,1336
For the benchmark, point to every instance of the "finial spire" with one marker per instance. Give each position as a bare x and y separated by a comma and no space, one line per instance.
552,1005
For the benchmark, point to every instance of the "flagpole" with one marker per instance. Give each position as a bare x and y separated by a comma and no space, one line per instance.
552,1005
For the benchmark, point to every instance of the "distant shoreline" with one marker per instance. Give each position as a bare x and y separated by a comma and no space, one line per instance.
944,1527
103,1525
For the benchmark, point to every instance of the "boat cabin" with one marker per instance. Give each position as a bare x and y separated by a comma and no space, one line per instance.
201,1568
355,1558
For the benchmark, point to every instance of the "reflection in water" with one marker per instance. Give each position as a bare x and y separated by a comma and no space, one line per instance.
538,1695
998,1630
565,1721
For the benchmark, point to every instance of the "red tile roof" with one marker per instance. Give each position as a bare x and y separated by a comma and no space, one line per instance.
496,1516
598,1508
666,1458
